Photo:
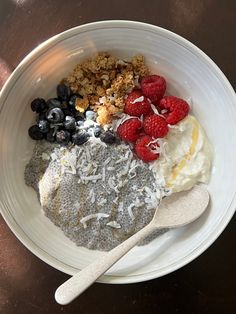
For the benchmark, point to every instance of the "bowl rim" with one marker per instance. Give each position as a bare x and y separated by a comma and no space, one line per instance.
9,219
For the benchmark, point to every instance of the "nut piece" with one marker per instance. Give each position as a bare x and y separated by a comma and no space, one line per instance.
81,104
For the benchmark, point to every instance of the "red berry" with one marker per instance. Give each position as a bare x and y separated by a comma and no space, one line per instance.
136,104
153,87
155,126
129,130
143,149
178,108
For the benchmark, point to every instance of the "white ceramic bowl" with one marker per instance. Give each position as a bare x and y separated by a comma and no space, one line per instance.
189,73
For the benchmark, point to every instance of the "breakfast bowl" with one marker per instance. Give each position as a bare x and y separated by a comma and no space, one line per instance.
190,75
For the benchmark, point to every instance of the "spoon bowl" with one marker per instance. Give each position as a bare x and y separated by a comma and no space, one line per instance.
181,208
174,211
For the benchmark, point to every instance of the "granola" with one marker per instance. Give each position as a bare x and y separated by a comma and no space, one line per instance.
103,81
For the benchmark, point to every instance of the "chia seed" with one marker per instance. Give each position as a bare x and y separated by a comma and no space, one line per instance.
74,182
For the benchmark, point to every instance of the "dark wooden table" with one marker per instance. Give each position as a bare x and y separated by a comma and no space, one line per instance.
207,285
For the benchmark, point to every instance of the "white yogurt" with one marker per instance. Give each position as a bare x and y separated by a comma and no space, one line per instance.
186,156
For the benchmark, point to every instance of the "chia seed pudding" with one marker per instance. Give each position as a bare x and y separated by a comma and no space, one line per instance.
98,194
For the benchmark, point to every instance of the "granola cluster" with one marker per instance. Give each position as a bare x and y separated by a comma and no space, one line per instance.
103,81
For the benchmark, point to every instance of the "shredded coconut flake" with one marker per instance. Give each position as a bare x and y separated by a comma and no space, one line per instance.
103,174
98,216
171,126
130,212
131,176
151,199
120,207
102,201
92,178
164,111
111,184
96,141
115,200
113,224
106,162
138,203
156,111
121,160
139,99
123,117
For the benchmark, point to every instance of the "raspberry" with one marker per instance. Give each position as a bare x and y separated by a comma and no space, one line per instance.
143,150
153,87
177,107
129,130
155,126
136,104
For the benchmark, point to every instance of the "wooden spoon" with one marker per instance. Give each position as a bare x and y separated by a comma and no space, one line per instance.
175,211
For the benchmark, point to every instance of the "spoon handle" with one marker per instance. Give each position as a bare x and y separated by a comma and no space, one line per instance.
74,286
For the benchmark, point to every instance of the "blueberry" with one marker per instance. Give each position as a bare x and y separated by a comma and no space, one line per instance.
68,112
38,105
43,126
35,133
96,131
54,103
80,137
63,92
50,136
41,116
69,123
55,115
79,116
72,100
63,137
80,124
108,137
90,115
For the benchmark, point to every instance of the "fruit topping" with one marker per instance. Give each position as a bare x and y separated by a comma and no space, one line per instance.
35,133
95,131
80,137
79,116
177,108
69,123
155,126
63,137
68,112
129,130
55,115
54,103
153,87
76,118
108,137
50,136
43,126
136,104
39,105
145,149
63,92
